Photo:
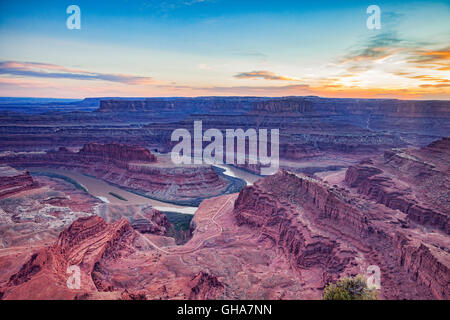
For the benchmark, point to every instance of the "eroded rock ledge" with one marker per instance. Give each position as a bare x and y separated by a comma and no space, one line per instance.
132,167
318,226
13,181
415,182
286,236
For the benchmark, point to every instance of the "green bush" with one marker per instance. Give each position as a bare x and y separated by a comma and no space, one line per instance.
350,289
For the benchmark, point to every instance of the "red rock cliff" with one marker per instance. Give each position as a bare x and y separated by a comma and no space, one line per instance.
412,181
87,243
319,226
13,181
118,151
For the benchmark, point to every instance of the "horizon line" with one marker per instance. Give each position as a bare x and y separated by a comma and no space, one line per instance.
219,96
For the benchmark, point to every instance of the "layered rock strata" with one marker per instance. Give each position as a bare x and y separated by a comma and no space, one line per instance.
133,168
13,181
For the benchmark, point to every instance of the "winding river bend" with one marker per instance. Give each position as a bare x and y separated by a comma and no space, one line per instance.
112,194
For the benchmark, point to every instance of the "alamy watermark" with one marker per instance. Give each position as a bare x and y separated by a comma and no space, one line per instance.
74,20
235,151
74,280
374,20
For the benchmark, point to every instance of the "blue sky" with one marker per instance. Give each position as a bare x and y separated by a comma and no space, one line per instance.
224,47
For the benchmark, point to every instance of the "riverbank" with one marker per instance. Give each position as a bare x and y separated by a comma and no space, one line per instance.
104,191
115,194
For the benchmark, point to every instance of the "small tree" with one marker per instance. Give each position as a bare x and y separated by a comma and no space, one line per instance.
350,289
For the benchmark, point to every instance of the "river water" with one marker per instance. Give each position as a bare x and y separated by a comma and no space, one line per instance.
102,190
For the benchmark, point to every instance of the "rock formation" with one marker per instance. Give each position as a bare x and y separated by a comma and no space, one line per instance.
118,152
154,222
415,182
321,226
285,237
37,215
205,286
306,123
86,243
133,168
13,181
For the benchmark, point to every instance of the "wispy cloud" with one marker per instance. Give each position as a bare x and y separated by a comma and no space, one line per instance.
437,59
378,47
417,65
302,88
253,55
42,70
164,6
266,75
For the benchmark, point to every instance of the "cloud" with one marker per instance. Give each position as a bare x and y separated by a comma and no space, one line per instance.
441,85
375,48
42,70
266,75
438,59
387,54
428,78
378,47
301,87
164,6
253,55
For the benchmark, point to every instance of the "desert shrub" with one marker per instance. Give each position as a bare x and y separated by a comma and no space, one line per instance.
350,289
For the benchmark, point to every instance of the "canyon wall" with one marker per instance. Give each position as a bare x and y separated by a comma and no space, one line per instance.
317,225
306,123
285,237
118,152
132,167
416,182
13,181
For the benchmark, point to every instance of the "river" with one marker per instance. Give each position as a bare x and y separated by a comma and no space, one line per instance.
104,191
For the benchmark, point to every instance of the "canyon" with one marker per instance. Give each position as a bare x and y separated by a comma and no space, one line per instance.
362,182
284,237
134,168
308,125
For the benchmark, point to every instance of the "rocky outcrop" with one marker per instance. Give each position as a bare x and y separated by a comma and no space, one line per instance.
356,176
118,151
425,172
329,202
319,226
205,286
91,154
155,222
29,269
13,181
86,244
271,206
180,105
284,105
135,169
98,250
426,265
284,237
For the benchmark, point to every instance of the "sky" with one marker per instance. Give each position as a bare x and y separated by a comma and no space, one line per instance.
154,48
